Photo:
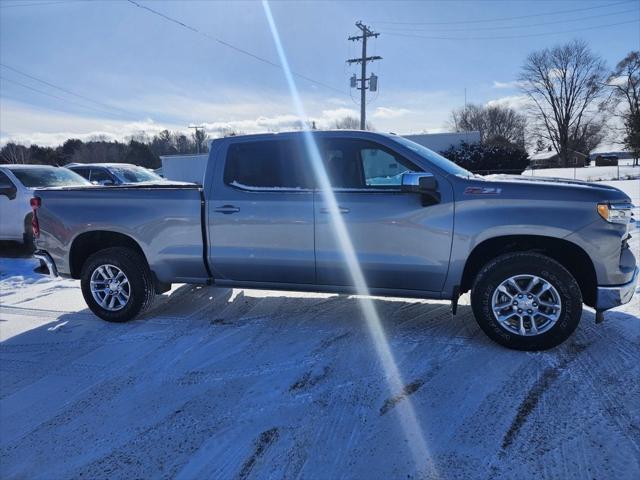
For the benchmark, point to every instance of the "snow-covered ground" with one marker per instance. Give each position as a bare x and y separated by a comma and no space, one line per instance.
219,383
625,171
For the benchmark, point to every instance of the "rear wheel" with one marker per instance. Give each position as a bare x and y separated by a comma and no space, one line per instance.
117,284
526,301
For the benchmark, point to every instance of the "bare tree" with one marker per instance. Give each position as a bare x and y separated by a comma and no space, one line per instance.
350,123
496,124
14,153
625,81
183,143
200,138
564,84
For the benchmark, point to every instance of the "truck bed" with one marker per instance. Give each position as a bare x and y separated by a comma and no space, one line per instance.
165,220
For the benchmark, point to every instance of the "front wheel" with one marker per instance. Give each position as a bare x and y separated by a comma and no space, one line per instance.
117,284
526,301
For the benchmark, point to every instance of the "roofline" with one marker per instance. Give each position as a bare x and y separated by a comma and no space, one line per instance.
106,164
28,165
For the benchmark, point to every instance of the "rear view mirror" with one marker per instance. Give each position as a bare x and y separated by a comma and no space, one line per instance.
423,183
8,190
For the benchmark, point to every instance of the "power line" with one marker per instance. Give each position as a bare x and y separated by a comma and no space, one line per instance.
533,15
37,4
506,37
66,100
62,89
231,46
511,27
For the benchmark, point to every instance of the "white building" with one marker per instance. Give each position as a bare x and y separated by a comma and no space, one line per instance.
185,168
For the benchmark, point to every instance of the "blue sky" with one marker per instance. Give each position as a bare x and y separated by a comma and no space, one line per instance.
140,72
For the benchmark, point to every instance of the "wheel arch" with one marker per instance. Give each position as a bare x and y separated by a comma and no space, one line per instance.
88,243
568,254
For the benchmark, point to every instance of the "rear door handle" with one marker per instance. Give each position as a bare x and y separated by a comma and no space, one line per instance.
226,209
340,210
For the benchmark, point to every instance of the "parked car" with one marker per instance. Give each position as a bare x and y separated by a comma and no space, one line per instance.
17,183
531,250
114,173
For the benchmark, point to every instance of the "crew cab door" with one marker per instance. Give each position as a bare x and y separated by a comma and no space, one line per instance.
399,242
260,213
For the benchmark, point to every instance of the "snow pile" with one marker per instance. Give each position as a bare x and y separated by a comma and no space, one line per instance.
625,171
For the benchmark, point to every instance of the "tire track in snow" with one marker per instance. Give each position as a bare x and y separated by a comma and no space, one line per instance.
533,396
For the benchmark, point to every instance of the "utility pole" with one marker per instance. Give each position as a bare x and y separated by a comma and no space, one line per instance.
199,127
363,60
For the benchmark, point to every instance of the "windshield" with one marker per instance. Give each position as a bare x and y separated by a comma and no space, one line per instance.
48,177
438,160
135,174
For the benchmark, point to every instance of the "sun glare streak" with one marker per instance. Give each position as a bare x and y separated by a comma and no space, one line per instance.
405,409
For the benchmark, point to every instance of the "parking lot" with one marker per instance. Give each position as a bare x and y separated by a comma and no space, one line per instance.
218,383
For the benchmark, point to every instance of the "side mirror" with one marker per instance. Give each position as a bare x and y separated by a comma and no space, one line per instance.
8,190
107,183
422,183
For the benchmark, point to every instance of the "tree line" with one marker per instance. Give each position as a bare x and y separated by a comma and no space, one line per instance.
141,149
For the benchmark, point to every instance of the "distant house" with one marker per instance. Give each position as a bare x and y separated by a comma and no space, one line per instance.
612,149
606,160
551,159
440,142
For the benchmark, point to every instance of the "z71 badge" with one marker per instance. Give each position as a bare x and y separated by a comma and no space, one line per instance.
482,191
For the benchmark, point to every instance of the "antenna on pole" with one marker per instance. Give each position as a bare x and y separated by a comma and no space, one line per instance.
363,60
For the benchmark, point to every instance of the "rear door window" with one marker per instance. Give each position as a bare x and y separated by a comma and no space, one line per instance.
101,176
267,165
83,172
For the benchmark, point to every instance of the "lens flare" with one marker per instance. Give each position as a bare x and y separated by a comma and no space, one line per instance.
405,410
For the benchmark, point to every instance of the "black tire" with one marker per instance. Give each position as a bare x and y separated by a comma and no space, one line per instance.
526,263
134,266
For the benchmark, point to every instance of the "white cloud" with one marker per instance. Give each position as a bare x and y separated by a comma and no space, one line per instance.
517,102
390,112
618,81
26,124
513,84
338,113
405,112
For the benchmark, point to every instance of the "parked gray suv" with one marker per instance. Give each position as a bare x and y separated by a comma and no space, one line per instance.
530,250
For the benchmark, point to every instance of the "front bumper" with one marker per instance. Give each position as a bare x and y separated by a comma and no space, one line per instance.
616,295
48,261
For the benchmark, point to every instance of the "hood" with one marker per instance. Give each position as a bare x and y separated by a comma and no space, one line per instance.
550,188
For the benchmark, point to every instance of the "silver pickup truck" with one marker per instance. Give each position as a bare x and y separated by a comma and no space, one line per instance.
275,208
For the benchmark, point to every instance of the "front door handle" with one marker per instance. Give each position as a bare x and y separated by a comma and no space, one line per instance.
226,209
340,210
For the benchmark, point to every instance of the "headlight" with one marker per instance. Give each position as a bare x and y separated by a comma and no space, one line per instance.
616,212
